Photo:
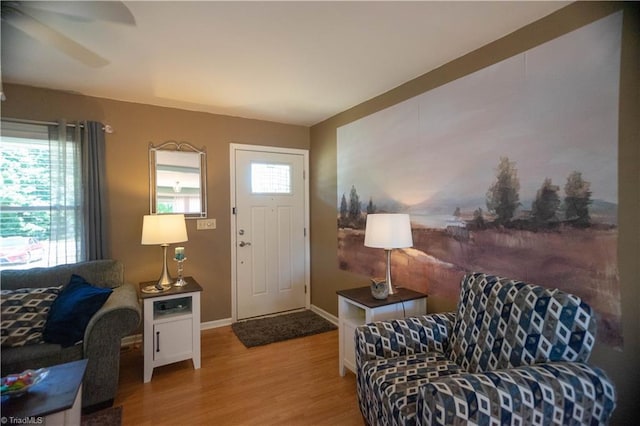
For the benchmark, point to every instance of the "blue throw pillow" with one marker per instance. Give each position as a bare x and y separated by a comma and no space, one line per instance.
72,310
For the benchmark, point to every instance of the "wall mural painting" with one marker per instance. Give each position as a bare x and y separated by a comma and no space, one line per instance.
511,170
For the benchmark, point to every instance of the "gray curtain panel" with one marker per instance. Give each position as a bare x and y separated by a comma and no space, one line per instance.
94,191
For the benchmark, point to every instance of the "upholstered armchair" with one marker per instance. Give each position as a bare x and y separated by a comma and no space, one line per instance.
512,353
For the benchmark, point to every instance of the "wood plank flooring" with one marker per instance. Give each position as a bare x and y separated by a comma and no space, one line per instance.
295,382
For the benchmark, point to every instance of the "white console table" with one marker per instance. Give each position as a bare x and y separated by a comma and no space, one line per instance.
357,306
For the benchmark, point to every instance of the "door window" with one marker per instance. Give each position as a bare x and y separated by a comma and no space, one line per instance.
269,178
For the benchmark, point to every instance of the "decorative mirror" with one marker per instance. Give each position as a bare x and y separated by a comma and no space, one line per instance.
178,179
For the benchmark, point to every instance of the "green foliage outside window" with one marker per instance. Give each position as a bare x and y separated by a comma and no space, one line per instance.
24,169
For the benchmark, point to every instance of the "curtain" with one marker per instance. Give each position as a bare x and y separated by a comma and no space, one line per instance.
94,195
77,185
65,192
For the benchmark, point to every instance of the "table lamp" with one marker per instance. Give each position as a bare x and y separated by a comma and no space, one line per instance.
388,231
163,229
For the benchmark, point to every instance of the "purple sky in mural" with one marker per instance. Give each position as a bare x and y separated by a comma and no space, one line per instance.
551,110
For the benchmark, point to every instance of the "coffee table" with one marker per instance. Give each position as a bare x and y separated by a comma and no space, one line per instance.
56,400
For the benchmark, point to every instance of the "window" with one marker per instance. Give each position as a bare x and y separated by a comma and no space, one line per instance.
270,178
40,201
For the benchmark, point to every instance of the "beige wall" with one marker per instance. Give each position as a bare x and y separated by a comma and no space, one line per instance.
622,366
135,125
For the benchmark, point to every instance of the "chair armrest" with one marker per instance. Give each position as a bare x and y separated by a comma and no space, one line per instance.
392,338
549,393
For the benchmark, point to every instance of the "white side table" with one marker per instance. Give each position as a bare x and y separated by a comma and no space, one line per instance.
357,306
171,326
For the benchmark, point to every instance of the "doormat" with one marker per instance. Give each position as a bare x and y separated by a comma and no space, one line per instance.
111,416
262,331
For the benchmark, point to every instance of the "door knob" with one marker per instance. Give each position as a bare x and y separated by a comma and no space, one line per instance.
243,243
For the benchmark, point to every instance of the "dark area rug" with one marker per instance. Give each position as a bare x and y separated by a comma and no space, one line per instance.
262,331
111,416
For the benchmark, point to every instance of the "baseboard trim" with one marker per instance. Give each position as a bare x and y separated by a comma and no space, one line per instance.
132,340
216,324
326,315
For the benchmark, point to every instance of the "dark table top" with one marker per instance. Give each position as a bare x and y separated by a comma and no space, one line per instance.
53,394
192,285
363,296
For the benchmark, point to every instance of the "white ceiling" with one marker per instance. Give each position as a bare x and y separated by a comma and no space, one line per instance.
297,62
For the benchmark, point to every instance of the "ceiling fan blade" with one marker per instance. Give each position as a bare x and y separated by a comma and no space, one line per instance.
48,35
112,11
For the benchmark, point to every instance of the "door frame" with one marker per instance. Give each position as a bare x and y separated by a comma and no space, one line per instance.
233,148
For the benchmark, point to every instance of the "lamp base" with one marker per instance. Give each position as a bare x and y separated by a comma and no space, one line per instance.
388,280
165,281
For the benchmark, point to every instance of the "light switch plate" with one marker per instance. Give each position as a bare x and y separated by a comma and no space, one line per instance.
203,224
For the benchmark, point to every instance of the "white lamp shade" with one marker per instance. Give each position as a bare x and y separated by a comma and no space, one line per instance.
164,229
388,231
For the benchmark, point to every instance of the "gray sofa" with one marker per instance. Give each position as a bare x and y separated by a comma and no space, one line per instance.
118,317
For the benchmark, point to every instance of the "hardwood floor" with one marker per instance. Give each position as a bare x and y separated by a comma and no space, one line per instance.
295,382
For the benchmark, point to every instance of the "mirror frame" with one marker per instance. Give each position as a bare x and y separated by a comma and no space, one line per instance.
178,147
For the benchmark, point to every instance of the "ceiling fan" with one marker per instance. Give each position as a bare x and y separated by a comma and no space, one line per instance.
20,15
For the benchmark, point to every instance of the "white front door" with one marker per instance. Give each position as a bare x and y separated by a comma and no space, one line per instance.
270,242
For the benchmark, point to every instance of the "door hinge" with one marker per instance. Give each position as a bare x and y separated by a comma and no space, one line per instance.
304,174
305,232
305,289
233,210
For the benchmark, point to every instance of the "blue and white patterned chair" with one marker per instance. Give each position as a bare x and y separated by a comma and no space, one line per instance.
513,353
